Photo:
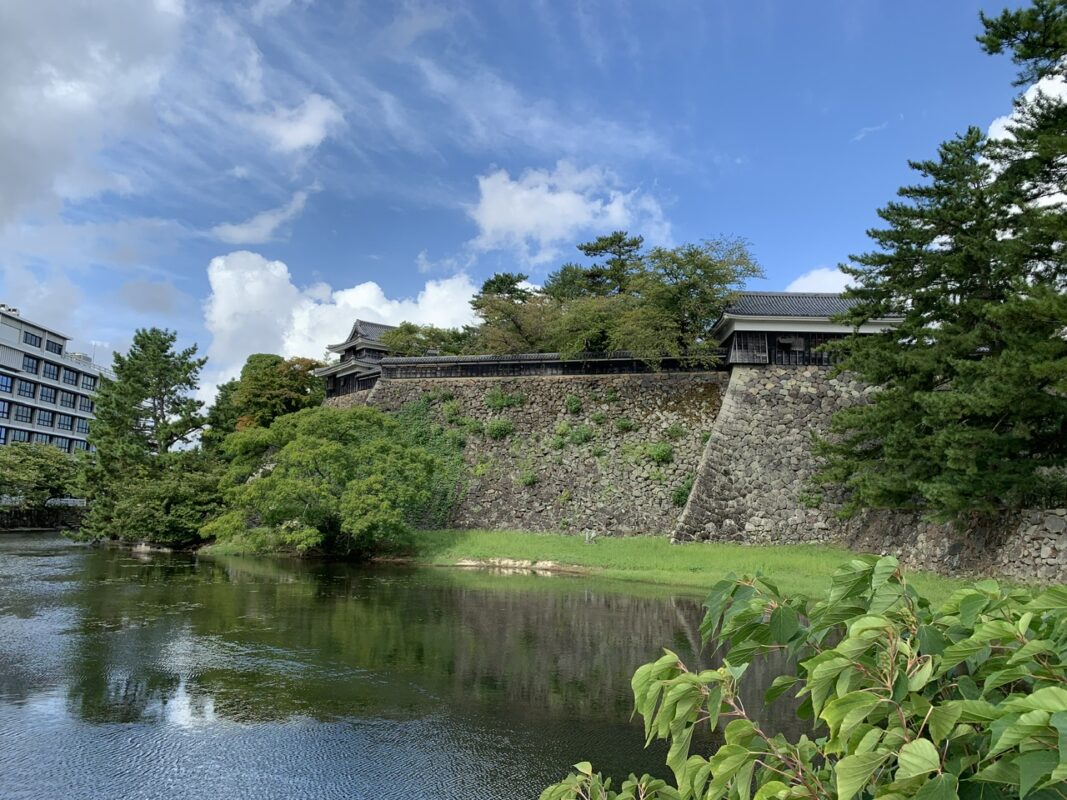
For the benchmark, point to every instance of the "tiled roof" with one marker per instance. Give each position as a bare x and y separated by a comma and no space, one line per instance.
361,329
789,304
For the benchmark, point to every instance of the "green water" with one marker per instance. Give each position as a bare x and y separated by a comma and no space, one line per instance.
129,675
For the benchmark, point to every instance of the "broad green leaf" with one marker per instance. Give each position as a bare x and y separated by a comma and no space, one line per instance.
970,606
779,687
1055,599
844,712
1004,676
770,789
939,787
1051,698
917,758
1031,649
784,624
852,772
885,568
942,720
1011,730
922,676
1034,766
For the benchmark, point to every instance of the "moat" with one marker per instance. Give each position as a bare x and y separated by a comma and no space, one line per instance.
128,675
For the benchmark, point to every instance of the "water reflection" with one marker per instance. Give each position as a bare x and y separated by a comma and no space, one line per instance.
322,676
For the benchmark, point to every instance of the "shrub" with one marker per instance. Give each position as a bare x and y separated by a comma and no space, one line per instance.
481,469
659,453
625,425
657,475
527,478
471,425
565,497
599,451
499,428
598,417
705,437
573,404
965,701
674,432
611,396
581,434
557,442
680,495
497,399
450,411
563,428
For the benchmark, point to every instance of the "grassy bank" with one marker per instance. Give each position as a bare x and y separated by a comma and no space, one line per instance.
653,559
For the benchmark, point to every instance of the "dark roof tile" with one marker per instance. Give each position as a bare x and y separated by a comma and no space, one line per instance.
789,304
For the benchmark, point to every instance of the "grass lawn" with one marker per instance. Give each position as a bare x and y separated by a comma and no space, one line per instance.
653,559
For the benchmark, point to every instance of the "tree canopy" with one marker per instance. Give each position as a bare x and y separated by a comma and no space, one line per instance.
139,483
268,387
971,412
33,474
323,479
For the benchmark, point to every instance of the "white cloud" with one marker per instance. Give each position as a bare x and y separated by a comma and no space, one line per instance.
863,133
1053,87
255,306
820,279
265,9
540,211
303,127
72,79
261,227
485,112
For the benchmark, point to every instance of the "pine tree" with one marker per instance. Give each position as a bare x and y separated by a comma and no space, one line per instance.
971,409
138,484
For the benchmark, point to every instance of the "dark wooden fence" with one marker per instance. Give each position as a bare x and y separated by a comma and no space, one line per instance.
12,519
539,364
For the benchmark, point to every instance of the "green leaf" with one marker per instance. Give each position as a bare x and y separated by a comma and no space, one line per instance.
769,790
784,624
942,720
939,787
1034,766
1051,698
779,687
852,772
1031,649
1013,729
917,758
1055,599
970,606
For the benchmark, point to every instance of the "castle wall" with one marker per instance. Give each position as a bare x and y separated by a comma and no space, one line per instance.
584,470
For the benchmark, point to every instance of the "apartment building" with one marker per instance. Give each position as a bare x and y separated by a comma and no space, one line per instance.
46,393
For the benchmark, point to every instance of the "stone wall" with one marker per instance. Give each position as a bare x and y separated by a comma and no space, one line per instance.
582,470
754,474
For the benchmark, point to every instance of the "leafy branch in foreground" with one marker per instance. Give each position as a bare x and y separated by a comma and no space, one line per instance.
968,701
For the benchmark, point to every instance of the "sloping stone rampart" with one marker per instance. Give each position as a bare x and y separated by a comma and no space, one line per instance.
755,471
754,475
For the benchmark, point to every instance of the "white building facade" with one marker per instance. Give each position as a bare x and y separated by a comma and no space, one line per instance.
47,394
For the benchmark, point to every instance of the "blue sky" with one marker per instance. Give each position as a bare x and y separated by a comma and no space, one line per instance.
255,174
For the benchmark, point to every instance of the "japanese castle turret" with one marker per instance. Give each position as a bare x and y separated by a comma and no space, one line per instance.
785,327
359,364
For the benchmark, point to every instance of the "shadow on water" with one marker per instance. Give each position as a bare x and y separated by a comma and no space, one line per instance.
282,678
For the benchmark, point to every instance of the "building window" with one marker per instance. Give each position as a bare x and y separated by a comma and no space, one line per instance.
66,399
40,438
62,442
45,418
80,445
31,339
51,370
70,376
26,388
54,347
23,413
3,435
5,383
65,422
18,435
82,426
89,382
30,364
48,394
5,409
85,404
